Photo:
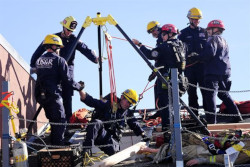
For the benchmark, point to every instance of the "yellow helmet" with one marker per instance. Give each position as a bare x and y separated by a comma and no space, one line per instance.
70,23
53,40
194,13
131,96
151,25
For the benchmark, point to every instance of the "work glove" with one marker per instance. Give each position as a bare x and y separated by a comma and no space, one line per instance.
192,57
151,76
82,85
145,138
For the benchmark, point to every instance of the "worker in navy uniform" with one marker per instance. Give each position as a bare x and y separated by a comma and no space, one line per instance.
166,57
69,24
52,70
217,70
194,37
101,133
153,28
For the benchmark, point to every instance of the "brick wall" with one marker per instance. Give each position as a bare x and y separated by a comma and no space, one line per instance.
16,71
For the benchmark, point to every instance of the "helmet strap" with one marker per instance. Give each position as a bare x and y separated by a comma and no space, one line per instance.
64,34
57,47
216,32
192,24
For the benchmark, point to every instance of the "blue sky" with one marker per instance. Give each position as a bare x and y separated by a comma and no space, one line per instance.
25,23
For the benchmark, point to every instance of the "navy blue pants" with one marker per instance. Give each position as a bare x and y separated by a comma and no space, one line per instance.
216,83
55,113
195,75
163,101
67,93
97,135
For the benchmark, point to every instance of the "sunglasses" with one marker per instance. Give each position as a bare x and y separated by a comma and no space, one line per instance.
151,30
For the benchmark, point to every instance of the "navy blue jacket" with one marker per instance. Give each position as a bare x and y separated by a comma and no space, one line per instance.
103,112
147,52
216,56
164,55
194,39
51,71
67,42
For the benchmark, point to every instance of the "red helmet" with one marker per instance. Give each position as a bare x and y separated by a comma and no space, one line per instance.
216,24
169,28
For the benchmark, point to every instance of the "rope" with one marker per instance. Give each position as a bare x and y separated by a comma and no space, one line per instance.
111,70
207,112
92,158
145,89
11,106
5,99
191,64
72,124
127,40
153,122
212,90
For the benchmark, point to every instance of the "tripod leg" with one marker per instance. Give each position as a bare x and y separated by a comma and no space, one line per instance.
194,116
34,118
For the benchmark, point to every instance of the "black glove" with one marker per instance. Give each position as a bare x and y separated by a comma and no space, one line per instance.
193,54
82,85
151,76
192,57
145,138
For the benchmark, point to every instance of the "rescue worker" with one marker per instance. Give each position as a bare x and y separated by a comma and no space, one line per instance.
153,28
194,37
51,71
101,133
196,152
165,56
69,24
217,70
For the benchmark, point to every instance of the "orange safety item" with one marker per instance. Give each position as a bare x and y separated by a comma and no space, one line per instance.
8,94
79,117
153,122
243,106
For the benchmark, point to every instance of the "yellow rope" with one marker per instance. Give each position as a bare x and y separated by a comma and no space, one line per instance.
96,157
12,107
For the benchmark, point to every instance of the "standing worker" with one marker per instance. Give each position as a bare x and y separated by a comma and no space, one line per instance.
217,70
167,55
194,38
51,71
101,133
153,28
69,24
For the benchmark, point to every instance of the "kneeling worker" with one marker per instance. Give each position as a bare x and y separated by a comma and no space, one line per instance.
101,133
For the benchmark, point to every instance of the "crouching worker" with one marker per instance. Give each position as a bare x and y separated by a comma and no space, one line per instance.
101,133
52,70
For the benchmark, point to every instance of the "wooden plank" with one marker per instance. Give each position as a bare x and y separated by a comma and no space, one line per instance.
243,126
120,156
